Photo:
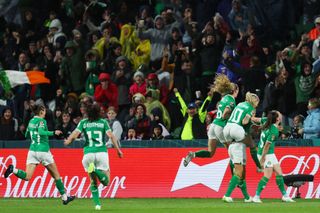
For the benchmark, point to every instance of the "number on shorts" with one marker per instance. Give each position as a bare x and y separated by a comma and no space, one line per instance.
97,135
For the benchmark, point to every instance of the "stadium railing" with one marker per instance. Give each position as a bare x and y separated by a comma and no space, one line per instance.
154,143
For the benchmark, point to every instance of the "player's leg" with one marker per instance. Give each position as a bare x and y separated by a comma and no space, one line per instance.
95,191
101,167
31,164
243,186
88,165
53,170
236,154
262,184
253,151
280,183
212,145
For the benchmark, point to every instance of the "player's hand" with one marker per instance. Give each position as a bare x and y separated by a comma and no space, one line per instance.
58,132
66,142
175,90
120,154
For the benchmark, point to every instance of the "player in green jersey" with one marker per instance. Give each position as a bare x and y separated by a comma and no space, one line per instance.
269,161
229,91
95,159
234,133
39,152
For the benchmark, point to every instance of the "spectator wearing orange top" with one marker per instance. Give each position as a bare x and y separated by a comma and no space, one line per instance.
315,32
106,93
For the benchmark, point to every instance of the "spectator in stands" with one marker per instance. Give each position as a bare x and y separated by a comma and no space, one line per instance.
311,125
139,84
157,132
193,126
157,119
106,93
140,122
67,125
131,135
159,35
240,16
297,125
56,37
114,124
8,125
93,70
315,32
161,90
57,117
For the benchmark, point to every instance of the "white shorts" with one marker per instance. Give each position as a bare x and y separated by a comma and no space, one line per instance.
270,161
215,132
100,160
237,153
233,132
45,158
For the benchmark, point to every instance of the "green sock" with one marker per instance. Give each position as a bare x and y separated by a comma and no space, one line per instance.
280,183
203,154
103,178
253,152
232,184
243,187
95,194
60,186
262,183
21,174
231,165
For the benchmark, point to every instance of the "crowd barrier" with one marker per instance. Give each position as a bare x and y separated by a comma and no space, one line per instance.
158,173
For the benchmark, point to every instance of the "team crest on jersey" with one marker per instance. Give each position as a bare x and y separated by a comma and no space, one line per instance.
273,137
41,124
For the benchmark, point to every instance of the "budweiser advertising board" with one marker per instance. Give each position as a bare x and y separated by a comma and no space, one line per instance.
158,172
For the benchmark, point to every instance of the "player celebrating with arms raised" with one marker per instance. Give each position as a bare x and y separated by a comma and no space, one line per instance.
96,159
268,159
234,132
39,152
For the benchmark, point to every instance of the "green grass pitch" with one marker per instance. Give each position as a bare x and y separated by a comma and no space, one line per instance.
8,205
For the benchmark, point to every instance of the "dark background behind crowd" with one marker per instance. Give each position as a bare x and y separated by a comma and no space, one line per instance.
128,56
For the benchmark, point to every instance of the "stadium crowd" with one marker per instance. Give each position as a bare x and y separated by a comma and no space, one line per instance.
149,65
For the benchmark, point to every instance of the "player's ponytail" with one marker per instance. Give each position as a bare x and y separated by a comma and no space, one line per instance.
271,119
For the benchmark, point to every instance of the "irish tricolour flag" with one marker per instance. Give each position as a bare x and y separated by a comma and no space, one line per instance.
12,78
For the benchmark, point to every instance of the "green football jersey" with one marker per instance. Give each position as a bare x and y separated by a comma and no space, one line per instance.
240,112
38,131
226,101
94,134
268,135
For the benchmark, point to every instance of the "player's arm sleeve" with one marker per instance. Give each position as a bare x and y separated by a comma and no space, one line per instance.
27,133
42,130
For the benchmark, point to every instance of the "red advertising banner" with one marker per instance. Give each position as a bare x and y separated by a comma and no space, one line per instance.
158,172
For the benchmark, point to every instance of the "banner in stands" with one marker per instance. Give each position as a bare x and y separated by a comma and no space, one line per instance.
158,172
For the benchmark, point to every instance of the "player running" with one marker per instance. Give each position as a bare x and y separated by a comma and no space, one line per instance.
269,161
235,134
229,91
39,152
95,159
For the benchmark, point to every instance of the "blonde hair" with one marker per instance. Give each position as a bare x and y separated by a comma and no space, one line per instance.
253,99
223,85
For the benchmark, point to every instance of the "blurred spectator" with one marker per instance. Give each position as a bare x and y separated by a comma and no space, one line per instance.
140,122
297,125
311,125
66,126
157,133
93,70
73,69
139,84
314,33
106,93
194,120
131,135
160,91
8,125
156,116
128,40
56,37
114,124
